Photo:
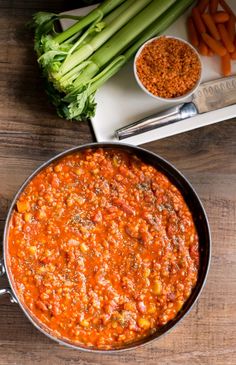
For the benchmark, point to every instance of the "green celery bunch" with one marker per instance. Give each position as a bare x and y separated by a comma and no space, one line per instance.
78,61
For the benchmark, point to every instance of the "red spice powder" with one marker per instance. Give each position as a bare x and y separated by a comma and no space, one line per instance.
168,67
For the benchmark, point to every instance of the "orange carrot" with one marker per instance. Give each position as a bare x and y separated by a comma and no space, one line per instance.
202,5
192,33
231,27
214,45
226,64
211,26
210,53
226,38
198,20
220,17
213,6
233,55
203,49
227,8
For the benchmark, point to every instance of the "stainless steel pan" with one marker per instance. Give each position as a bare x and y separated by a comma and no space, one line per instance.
199,217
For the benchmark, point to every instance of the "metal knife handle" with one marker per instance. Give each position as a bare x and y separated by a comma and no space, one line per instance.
158,120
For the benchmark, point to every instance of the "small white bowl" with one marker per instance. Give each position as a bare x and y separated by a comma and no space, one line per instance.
178,98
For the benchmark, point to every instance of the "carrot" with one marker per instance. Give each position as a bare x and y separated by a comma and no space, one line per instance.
210,53
233,55
227,8
211,26
202,5
231,27
214,45
226,38
192,33
203,49
226,64
213,6
220,17
198,20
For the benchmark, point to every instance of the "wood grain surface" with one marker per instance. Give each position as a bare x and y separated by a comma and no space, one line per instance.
30,133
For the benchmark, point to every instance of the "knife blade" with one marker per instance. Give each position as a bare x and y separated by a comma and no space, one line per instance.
211,95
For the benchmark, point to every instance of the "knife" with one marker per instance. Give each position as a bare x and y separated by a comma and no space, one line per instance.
211,95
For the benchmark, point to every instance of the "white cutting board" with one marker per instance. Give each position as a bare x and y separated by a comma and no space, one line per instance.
120,101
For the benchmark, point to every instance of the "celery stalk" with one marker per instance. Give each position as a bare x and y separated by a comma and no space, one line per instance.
87,50
97,14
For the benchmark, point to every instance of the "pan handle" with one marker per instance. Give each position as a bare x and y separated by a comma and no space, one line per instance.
2,268
8,289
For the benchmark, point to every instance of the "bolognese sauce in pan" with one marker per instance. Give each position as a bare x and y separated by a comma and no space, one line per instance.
102,248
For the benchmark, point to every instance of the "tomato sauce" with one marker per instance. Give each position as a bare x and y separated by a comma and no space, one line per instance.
102,248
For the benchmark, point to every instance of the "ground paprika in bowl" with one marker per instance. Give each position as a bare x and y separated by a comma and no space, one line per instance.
168,68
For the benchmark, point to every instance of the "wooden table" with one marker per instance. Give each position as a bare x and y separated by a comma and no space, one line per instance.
30,133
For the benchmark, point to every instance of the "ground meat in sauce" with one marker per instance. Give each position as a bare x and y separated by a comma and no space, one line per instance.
102,248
